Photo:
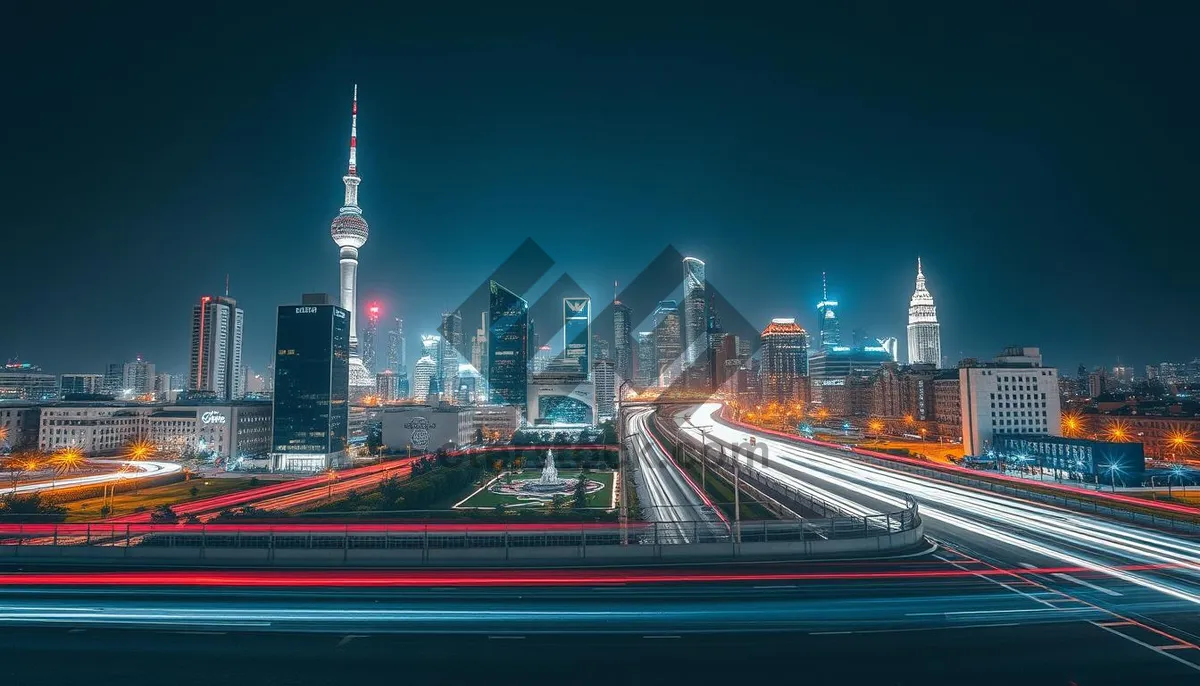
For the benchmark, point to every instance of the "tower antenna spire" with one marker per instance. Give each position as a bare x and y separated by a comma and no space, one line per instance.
824,287
354,133
226,284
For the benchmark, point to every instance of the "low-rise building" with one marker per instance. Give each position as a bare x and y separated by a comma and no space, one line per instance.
565,399
95,428
225,433
497,422
18,426
1014,394
27,382
81,384
425,428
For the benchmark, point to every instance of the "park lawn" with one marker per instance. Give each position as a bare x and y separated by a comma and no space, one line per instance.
150,498
601,498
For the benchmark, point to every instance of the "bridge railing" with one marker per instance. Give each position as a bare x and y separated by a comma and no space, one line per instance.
440,536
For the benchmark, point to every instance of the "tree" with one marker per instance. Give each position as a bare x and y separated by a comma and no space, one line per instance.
479,435
194,491
559,503
608,433
390,492
30,508
581,492
163,514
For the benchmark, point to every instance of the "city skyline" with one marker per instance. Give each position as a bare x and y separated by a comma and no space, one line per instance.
490,181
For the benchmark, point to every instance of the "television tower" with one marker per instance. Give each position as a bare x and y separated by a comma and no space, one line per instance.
349,231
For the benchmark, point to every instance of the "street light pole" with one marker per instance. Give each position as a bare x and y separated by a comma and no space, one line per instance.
703,457
622,459
737,500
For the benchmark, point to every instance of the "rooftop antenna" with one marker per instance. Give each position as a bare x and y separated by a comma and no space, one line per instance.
226,284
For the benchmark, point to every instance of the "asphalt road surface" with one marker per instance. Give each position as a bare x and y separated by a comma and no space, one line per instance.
1147,580
666,494
852,631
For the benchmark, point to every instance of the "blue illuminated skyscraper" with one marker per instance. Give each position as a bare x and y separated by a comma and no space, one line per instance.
508,346
695,323
828,327
577,324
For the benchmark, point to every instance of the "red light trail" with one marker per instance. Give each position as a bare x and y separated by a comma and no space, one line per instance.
491,578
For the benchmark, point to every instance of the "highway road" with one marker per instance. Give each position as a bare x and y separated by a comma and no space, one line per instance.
667,495
336,488
921,621
1149,581
123,470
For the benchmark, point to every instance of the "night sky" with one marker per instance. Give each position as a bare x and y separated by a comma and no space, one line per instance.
1043,165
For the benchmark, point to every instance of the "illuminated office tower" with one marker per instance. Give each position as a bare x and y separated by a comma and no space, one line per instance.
508,347
695,322
828,328
216,358
311,401
368,338
924,332
448,352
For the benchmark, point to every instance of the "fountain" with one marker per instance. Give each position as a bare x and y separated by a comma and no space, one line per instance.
545,486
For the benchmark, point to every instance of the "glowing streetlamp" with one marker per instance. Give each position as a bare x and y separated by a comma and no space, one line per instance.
1117,432
139,450
1113,469
1176,471
331,477
1179,442
66,460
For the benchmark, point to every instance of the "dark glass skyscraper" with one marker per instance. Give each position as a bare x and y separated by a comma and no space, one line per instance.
312,386
508,347
623,349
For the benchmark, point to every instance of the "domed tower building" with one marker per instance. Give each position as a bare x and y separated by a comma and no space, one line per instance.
924,332
349,231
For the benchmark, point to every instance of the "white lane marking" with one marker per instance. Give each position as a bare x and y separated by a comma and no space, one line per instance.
955,627
985,612
1090,585
1160,651
999,583
349,637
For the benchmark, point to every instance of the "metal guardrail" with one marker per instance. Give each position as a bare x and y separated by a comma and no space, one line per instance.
440,536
